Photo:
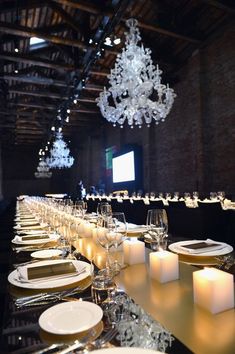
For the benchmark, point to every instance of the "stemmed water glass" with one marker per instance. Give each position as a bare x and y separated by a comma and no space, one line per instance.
105,209
117,231
157,224
102,207
105,242
81,208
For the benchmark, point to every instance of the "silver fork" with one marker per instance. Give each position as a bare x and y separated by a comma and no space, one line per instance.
45,297
107,337
78,344
96,344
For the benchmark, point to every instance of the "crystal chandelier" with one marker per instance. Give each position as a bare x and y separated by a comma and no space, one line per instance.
136,93
43,171
59,154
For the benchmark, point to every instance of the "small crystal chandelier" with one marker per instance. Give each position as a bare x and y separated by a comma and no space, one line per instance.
59,154
43,171
136,91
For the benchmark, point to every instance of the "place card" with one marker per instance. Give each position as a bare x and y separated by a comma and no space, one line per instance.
213,289
134,251
38,237
164,266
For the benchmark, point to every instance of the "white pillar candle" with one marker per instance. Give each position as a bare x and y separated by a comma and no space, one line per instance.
94,234
134,251
164,266
101,231
80,228
87,229
213,289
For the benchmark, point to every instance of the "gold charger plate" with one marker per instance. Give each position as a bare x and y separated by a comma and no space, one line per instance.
200,261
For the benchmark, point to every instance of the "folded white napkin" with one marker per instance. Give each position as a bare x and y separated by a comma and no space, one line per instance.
214,247
18,238
22,274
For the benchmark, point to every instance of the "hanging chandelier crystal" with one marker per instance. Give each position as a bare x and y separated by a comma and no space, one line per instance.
43,171
136,93
59,154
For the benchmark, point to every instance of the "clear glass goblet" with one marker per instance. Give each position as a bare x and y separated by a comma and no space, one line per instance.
157,224
117,232
105,242
105,209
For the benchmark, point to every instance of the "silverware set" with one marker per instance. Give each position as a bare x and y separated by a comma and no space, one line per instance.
46,298
83,346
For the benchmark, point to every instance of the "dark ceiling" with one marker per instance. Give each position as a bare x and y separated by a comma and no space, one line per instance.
37,81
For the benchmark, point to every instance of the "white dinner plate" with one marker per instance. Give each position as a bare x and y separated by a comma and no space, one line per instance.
51,283
126,350
17,240
176,247
45,254
70,317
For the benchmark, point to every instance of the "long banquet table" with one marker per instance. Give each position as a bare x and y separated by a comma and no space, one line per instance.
171,304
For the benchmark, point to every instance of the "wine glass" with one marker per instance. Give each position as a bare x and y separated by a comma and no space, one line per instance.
101,207
105,242
117,231
157,224
81,207
105,209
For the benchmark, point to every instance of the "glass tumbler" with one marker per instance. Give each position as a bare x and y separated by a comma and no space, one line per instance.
102,289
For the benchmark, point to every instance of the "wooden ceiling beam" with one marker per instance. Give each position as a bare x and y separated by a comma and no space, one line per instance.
65,16
31,114
7,6
27,32
22,31
22,117
48,94
50,107
96,11
29,59
37,94
47,81
222,5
